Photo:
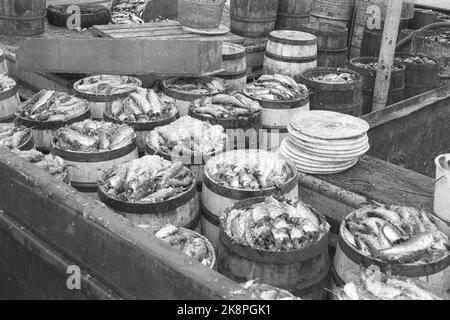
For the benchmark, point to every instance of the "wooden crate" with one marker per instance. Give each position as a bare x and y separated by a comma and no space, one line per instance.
172,30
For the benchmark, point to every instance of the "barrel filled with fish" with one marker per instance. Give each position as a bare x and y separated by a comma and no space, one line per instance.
375,285
9,97
128,12
3,62
54,165
262,291
402,240
240,116
190,140
242,174
186,89
143,110
334,89
281,242
281,98
19,138
48,111
101,89
191,243
151,191
92,146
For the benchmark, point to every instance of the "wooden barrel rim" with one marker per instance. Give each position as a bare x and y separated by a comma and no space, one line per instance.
234,56
277,57
243,122
242,194
185,96
252,20
369,72
233,75
143,126
84,187
292,15
298,42
93,157
149,208
407,270
281,105
52,125
315,27
28,144
9,93
104,98
326,86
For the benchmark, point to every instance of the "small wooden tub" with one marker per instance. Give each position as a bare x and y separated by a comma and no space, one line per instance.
97,102
181,211
42,131
216,198
9,102
184,99
85,168
142,129
235,64
348,261
304,273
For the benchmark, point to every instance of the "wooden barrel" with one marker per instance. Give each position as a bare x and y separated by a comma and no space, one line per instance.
180,211
142,129
396,88
3,62
85,168
348,261
42,131
253,18
331,43
304,273
9,103
338,97
332,11
364,16
242,132
423,17
216,198
183,99
235,64
98,102
276,116
290,53
22,17
371,42
292,14
419,78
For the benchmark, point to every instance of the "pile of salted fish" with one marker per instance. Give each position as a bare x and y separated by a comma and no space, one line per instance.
276,88
275,225
54,165
397,234
128,12
187,136
226,106
14,137
93,136
334,78
6,83
142,106
266,292
206,85
150,179
375,285
107,85
249,170
190,243
48,105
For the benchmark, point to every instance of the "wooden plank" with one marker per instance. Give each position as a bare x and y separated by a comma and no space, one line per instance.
31,269
102,243
412,133
121,56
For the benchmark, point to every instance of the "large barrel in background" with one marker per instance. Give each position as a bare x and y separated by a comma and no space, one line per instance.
344,98
423,17
305,273
397,85
235,65
419,78
332,11
290,52
292,14
253,18
363,14
331,43
22,17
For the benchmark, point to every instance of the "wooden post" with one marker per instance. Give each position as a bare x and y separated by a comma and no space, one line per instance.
387,53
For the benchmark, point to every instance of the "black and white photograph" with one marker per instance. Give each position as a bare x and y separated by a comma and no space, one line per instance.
223,155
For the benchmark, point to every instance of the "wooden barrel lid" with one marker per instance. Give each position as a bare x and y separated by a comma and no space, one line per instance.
329,125
291,37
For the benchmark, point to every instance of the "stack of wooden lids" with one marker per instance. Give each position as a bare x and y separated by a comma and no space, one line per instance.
325,142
